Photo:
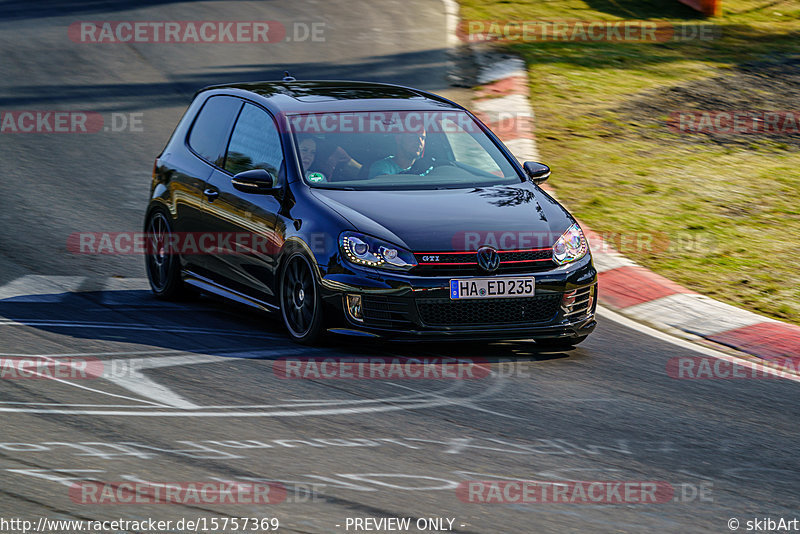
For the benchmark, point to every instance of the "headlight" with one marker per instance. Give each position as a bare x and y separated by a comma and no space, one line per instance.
570,246
364,250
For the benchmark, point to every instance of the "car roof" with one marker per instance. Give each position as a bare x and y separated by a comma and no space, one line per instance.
317,96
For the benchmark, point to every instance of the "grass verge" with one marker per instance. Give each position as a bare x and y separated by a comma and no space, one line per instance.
723,210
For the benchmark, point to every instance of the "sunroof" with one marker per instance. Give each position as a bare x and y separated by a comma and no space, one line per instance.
318,93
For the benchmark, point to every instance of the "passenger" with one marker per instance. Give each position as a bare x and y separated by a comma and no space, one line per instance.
338,164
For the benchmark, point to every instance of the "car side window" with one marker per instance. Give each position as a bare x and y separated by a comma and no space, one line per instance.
210,130
255,143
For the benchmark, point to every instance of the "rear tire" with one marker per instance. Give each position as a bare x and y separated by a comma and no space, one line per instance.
301,304
559,344
163,267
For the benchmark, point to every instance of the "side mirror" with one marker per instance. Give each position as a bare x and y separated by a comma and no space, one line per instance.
537,172
258,181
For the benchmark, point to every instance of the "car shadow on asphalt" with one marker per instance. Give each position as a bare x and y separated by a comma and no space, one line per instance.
211,326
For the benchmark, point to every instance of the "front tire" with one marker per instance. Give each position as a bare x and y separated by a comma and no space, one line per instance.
301,304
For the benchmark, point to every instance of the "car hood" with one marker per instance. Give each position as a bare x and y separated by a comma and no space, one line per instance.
506,217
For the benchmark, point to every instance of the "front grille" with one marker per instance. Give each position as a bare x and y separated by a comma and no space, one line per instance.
386,312
466,263
512,255
446,312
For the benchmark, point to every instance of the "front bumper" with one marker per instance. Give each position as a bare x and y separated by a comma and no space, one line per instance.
419,307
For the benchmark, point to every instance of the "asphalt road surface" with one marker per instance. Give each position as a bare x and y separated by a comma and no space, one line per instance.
190,392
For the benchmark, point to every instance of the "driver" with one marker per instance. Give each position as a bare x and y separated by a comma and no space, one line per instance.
410,148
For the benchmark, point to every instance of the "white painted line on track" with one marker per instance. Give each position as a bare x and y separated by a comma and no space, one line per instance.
77,405
79,386
133,380
147,387
694,347
173,406
469,403
161,396
194,359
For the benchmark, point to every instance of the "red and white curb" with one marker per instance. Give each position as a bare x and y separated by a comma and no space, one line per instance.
625,286
502,104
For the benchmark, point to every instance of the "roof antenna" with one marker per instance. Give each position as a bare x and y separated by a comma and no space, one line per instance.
288,77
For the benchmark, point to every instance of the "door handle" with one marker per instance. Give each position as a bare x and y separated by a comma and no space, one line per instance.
211,194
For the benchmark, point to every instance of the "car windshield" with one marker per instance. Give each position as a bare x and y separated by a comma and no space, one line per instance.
398,150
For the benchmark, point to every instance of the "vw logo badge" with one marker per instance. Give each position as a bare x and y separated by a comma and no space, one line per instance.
488,259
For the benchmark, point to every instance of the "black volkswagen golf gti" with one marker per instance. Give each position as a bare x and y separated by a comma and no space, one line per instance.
364,209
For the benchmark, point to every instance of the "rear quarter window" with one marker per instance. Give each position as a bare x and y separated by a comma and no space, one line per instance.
211,129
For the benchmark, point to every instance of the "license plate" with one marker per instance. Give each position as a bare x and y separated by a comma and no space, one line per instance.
491,288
